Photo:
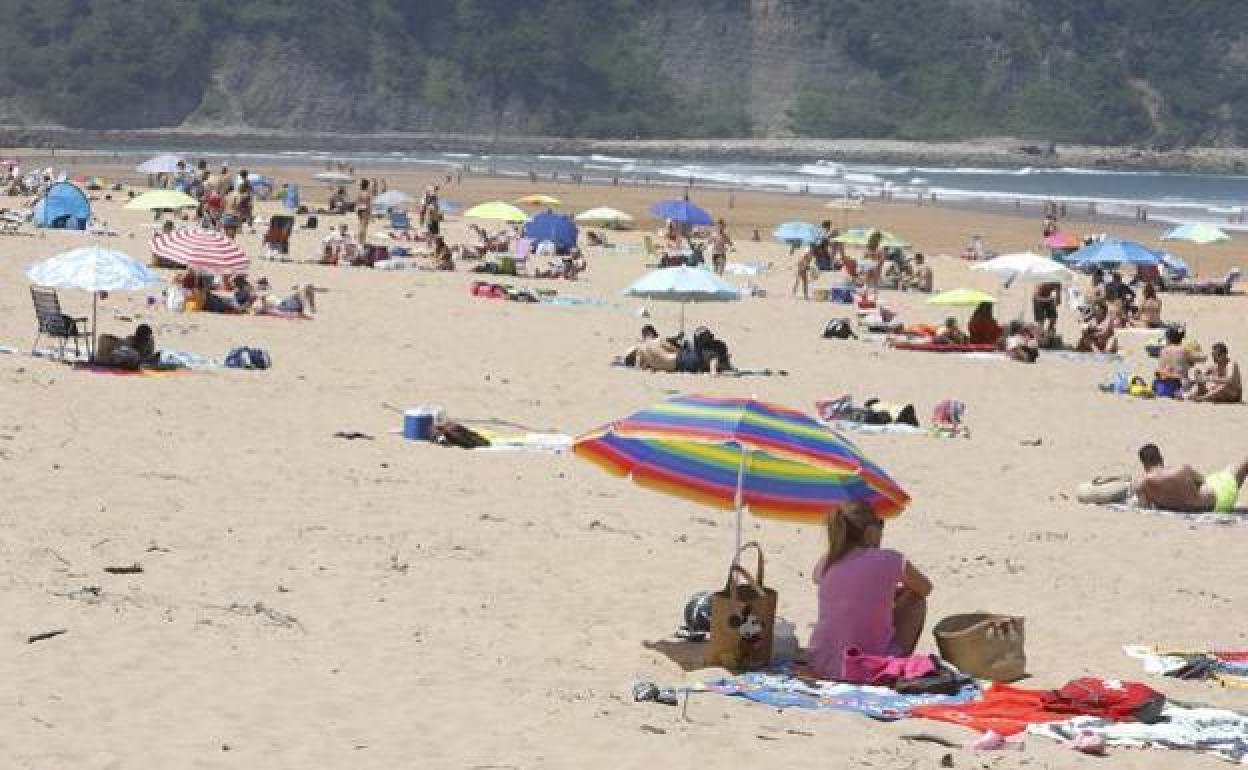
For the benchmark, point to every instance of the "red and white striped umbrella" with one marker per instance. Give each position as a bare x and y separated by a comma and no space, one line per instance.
205,250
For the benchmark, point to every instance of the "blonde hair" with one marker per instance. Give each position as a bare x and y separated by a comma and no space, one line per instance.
847,529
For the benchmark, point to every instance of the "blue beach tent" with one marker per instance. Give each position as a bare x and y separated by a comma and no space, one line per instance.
63,207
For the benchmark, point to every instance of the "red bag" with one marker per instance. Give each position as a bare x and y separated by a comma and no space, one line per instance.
1108,699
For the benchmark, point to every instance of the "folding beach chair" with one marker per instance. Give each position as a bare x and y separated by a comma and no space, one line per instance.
54,322
399,220
277,239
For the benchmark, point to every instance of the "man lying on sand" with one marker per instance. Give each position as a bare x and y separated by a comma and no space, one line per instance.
1185,489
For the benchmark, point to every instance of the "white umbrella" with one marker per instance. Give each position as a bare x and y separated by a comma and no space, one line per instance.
161,164
92,269
604,215
683,285
1027,267
333,177
392,199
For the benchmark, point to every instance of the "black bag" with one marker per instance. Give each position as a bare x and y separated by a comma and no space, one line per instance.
839,329
454,434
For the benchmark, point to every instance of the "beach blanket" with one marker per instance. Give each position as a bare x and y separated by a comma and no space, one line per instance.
1227,667
849,426
500,441
1237,516
275,313
927,346
188,360
782,690
567,300
1083,358
117,372
1219,732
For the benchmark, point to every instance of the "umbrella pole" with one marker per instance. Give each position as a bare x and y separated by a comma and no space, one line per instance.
682,318
95,303
740,502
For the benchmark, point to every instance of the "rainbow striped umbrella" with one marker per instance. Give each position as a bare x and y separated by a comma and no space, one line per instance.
739,454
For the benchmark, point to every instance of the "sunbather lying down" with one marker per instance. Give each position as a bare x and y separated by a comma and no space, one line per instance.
1185,489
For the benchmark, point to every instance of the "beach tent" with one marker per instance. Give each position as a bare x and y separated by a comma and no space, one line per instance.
552,227
63,207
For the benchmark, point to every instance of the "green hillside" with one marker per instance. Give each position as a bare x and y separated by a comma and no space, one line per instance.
1098,71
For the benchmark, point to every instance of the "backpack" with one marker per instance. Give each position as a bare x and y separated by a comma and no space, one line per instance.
839,329
248,358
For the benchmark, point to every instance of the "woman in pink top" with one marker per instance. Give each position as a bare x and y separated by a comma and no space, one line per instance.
870,598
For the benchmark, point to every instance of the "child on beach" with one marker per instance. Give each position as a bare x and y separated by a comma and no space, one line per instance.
871,599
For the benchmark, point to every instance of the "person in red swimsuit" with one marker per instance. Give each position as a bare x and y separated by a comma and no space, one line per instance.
983,328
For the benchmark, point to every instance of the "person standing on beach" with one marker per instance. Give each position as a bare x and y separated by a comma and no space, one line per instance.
802,278
364,210
1044,302
720,243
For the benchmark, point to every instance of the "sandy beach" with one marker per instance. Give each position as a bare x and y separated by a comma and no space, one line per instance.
310,601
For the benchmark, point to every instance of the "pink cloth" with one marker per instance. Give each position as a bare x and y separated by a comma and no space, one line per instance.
856,596
884,669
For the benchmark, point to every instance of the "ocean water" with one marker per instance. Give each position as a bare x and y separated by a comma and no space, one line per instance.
1168,196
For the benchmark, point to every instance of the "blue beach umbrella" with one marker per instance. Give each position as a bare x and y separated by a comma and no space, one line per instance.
797,233
1115,252
681,211
557,228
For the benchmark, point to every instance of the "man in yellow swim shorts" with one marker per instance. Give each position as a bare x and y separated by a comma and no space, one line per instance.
1185,489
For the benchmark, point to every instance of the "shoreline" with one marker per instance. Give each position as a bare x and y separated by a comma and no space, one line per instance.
986,152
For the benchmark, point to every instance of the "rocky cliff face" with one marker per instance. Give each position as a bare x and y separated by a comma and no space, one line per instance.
754,56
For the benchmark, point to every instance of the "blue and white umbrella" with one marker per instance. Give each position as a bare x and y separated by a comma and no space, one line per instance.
1196,232
161,164
1115,252
683,285
799,233
92,269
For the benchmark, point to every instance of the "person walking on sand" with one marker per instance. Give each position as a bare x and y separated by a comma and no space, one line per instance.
720,243
1184,489
364,210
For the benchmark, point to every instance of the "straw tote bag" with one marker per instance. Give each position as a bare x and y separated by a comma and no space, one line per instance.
983,645
743,618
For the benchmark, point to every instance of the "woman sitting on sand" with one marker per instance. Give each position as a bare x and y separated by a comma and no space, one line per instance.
442,258
1099,332
983,328
301,301
131,352
871,599
1148,314
1021,343
950,333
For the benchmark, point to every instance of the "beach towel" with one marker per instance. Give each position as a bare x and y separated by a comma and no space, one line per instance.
187,360
783,690
928,346
1084,358
118,372
1219,732
1227,667
500,441
1237,516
